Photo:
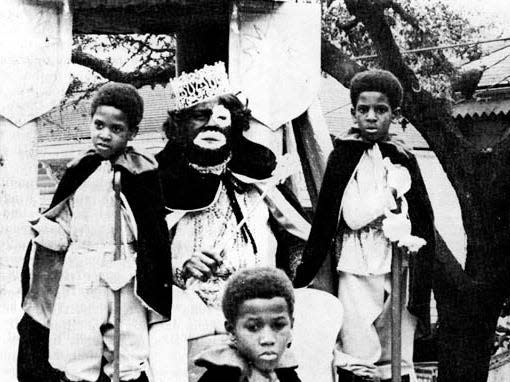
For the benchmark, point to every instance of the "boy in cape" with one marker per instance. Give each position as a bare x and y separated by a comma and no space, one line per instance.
372,195
258,305
73,274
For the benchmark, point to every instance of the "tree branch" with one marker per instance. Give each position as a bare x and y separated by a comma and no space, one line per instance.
411,20
430,115
348,25
137,78
338,64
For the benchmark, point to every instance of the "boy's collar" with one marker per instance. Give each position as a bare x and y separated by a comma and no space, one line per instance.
354,134
227,355
134,161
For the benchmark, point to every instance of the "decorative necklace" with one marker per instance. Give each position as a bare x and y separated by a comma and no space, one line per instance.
216,170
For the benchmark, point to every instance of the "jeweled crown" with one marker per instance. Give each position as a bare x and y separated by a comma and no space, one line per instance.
200,85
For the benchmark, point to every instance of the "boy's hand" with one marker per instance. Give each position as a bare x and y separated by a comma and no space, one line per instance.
202,265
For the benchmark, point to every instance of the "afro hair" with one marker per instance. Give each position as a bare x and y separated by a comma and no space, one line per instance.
250,283
121,96
380,81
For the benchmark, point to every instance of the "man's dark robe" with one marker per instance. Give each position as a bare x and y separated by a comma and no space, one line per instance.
185,189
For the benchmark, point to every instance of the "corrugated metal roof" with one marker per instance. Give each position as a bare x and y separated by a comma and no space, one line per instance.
72,123
479,108
497,66
492,94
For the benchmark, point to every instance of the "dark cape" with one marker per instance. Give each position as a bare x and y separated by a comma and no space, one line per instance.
143,194
225,364
185,189
321,250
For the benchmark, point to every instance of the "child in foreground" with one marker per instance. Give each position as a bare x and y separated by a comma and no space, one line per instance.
75,242
258,304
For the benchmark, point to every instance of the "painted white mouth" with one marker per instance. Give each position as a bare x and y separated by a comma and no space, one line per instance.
210,139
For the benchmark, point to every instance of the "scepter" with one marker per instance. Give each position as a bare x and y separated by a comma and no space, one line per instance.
116,293
396,312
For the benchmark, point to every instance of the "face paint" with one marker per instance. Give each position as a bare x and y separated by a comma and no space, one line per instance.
208,134
212,135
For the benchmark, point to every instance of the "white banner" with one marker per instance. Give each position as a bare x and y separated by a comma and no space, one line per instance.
36,43
274,57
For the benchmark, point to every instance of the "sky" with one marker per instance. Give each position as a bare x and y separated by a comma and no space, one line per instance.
481,11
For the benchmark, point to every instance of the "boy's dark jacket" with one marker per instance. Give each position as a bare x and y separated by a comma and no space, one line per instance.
229,374
142,191
224,364
321,243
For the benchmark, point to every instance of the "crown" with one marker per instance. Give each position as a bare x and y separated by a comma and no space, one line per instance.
200,85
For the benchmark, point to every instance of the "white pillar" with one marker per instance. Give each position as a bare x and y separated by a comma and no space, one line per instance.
18,195
18,203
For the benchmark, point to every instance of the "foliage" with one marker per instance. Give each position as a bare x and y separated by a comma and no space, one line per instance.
415,24
123,53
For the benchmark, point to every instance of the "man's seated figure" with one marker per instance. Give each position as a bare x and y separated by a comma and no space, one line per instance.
212,178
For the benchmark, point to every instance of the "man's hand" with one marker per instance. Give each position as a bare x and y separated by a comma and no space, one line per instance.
202,265
355,365
365,370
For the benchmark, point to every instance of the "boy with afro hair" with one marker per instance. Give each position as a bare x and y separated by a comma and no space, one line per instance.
70,273
258,305
371,178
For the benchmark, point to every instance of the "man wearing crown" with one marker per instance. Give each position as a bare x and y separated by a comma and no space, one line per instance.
213,179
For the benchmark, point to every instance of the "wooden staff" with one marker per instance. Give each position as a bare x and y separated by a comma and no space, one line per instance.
396,311
116,294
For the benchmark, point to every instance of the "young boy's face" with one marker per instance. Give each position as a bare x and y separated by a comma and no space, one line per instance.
262,331
110,131
373,115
